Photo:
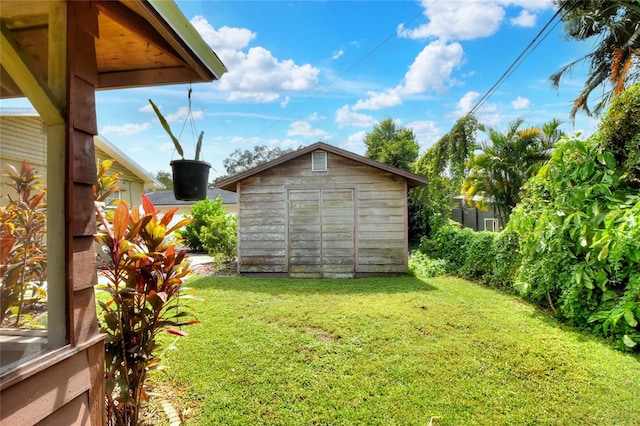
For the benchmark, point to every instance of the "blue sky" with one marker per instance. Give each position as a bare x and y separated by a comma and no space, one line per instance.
308,71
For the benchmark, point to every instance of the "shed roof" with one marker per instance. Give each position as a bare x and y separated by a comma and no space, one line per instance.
138,43
413,179
166,198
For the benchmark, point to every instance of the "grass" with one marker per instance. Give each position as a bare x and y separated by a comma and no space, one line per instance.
398,351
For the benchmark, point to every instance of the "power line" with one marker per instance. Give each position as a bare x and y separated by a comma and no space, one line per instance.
326,86
520,59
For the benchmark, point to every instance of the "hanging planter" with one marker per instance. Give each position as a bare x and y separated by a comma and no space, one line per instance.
190,177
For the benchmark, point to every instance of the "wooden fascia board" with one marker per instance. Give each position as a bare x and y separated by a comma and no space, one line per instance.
30,83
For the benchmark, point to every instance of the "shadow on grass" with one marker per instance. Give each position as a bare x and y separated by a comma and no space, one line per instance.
275,286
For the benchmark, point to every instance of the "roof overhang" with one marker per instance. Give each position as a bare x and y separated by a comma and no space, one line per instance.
150,183
413,179
138,43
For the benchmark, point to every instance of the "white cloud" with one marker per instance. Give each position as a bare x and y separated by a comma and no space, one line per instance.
525,19
168,146
255,75
426,132
430,71
125,130
225,39
355,143
521,103
432,68
304,129
337,54
285,101
457,20
146,108
466,102
380,100
470,19
182,113
346,117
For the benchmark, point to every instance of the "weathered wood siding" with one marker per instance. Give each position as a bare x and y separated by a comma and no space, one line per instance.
349,220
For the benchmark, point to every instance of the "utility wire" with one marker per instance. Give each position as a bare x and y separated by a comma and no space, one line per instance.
520,59
326,86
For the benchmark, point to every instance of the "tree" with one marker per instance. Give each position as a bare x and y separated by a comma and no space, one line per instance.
165,179
445,166
503,166
616,26
239,160
390,145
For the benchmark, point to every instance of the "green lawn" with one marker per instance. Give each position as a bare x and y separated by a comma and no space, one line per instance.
395,351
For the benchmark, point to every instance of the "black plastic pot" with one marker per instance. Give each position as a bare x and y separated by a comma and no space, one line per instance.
190,179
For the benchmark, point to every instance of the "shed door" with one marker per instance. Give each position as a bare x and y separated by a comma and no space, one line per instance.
321,233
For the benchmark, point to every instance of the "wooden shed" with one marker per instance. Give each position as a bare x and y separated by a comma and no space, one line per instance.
57,54
322,211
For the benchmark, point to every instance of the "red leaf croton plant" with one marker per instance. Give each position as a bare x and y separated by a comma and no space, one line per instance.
145,296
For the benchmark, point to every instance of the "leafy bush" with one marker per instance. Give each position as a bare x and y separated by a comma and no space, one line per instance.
486,257
508,260
580,229
212,230
420,265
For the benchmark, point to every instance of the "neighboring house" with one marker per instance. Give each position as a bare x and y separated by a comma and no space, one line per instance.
57,54
475,218
322,211
23,137
165,200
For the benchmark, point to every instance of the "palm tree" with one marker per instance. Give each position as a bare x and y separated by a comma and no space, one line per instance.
616,25
506,162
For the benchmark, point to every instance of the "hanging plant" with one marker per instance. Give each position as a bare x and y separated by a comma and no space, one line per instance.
190,177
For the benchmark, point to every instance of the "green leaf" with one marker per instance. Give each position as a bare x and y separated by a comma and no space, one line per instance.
630,318
167,128
628,341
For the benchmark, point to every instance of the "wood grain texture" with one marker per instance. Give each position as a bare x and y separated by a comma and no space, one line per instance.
30,401
328,223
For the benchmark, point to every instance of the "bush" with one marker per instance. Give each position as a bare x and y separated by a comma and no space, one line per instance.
579,227
212,230
421,265
486,257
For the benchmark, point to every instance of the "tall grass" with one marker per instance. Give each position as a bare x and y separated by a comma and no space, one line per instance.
399,351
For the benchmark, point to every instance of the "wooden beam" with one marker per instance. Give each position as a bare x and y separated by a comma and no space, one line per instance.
150,77
32,85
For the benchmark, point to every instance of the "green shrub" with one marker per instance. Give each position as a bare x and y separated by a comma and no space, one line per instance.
480,257
486,257
508,260
579,227
212,230
421,265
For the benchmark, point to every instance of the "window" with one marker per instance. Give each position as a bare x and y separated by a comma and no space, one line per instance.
33,320
319,161
116,195
492,225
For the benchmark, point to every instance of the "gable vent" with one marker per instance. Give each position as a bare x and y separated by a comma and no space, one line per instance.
319,161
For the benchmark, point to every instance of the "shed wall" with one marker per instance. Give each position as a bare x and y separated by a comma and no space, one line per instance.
376,214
